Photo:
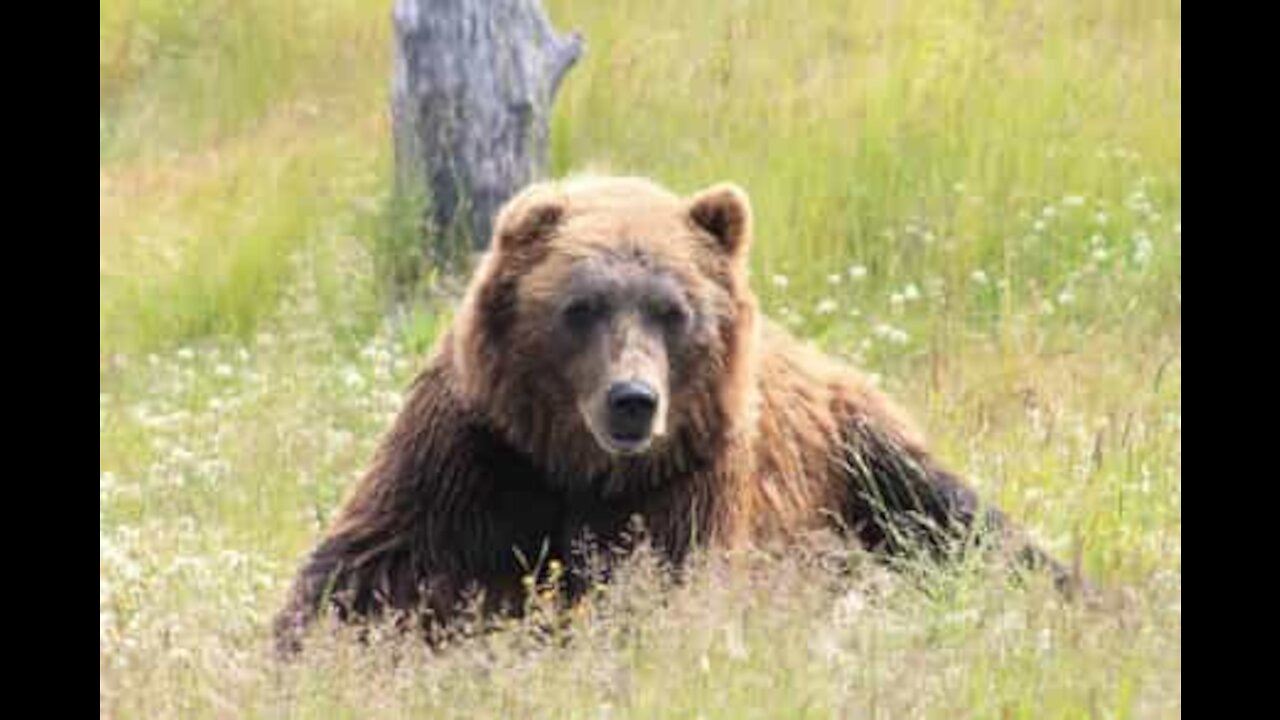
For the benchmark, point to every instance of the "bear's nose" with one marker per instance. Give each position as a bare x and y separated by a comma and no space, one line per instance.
631,408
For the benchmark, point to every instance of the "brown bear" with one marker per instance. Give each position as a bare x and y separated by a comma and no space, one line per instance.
609,363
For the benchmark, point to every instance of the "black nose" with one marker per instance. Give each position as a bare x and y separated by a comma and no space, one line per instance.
631,408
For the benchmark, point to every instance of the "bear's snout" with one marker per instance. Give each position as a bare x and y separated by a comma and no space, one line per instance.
632,405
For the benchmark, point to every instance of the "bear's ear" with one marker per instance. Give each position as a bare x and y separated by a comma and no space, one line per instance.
529,217
724,211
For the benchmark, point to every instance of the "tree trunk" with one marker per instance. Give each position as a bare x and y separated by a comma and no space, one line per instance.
472,90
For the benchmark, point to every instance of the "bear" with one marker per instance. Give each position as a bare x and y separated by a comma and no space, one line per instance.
610,368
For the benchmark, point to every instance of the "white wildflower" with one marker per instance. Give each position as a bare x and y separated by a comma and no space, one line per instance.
352,378
1142,249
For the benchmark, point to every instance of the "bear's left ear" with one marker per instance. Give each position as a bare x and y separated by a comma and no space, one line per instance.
531,216
724,211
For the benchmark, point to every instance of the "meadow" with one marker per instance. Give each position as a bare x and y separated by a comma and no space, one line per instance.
978,202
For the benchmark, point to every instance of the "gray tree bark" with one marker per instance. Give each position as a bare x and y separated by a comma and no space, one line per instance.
472,90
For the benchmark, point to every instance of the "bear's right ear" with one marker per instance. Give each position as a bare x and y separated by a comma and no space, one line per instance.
529,217
724,211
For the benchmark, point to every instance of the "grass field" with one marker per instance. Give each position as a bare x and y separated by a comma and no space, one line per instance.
979,202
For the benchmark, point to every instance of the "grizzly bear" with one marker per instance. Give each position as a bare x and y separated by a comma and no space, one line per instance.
609,364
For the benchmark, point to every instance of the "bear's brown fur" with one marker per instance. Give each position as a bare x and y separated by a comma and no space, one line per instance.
498,453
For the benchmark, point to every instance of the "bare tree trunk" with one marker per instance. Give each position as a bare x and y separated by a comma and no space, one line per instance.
472,90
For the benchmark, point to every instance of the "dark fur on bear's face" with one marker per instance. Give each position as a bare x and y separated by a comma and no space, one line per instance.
625,336
597,302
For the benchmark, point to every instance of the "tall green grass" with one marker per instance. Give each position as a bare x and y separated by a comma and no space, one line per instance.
914,139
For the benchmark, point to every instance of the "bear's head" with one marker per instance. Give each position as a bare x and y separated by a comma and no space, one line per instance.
607,332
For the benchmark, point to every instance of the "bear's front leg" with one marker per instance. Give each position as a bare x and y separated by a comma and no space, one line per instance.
340,576
903,501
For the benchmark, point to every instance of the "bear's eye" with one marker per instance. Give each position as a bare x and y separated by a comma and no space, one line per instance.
671,315
581,313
